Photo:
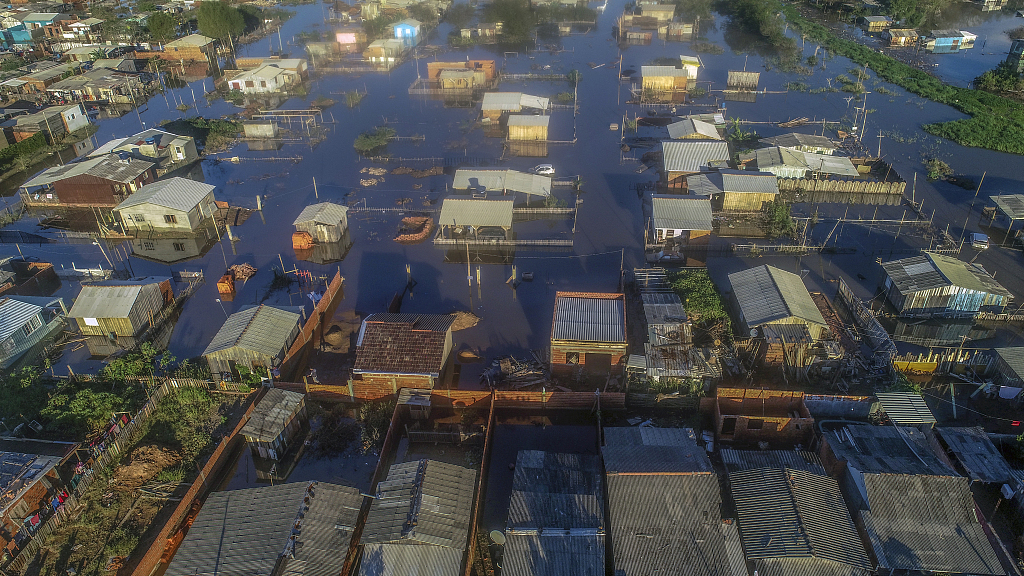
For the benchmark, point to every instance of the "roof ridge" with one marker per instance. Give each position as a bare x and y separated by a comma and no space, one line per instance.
247,324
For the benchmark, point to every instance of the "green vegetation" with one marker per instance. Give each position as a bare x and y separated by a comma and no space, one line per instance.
380,27
574,76
376,419
425,13
812,60
558,12
564,97
10,156
996,122
354,97
697,92
212,133
937,169
12,64
1016,33
903,384
370,141
1004,79
515,15
690,10
219,20
707,48
703,305
797,86
162,27
740,137
777,220
185,418
460,15
762,18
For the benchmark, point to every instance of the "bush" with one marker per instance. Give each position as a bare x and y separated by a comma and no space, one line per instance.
184,419
703,305
937,169
376,419
516,16
777,220
122,542
370,141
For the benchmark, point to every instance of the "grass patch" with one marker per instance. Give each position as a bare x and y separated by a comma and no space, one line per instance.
995,123
707,48
797,86
703,304
369,141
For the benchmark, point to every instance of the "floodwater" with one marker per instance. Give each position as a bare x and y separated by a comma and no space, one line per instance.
609,228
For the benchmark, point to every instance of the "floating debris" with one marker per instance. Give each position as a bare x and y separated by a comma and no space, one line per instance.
415,229
242,271
464,320
374,171
369,181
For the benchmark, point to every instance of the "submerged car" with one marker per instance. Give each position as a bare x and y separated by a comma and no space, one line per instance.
544,170
979,241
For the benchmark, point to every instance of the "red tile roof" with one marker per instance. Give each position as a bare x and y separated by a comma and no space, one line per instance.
404,347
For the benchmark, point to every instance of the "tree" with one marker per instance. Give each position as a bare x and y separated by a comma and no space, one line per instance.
515,15
162,27
459,15
424,12
219,20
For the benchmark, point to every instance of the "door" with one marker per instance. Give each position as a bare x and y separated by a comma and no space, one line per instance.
598,363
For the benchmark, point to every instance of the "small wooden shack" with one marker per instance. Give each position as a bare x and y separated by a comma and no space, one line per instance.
256,337
899,37
274,423
324,222
739,80
522,127
662,79
876,23
735,190
120,308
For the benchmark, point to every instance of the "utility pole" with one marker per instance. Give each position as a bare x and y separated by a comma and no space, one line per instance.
971,209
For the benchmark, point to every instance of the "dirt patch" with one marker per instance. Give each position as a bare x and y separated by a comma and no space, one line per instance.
338,334
146,462
464,320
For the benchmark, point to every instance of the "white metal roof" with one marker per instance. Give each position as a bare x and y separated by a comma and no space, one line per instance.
322,213
681,212
476,212
528,120
692,155
175,193
502,180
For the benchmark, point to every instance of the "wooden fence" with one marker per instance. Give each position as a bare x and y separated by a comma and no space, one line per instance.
103,456
806,185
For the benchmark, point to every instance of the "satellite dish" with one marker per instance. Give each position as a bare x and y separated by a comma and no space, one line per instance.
753,332
497,537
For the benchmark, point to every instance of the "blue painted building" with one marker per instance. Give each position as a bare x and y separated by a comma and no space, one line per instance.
408,28
949,41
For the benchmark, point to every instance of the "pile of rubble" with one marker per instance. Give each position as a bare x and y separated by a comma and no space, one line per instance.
402,170
242,271
370,181
374,171
515,374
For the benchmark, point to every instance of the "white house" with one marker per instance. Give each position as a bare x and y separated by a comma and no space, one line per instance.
176,204
265,79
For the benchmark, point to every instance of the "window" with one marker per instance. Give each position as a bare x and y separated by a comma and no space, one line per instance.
572,357
263,84
249,84
179,246
170,219
139,217
148,245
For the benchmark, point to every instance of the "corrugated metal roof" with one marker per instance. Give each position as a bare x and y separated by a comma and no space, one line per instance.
457,211
1013,356
689,126
905,408
15,312
766,294
738,460
271,415
977,454
553,554
589,317
263,329
536,102
245,532
552,490
796,139
926,523
658,71
692,155
1012,205
528,120
175,193
663,308
805,567
681,212
108,167
111,300
732,182
653,450
406,560
512,101
886,450
786,334
966,275
785,513
322,213
768,158
192,40
556,515
502,180
422,502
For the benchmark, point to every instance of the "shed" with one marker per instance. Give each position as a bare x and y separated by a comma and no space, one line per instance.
175,204
287,529
274,422
876,23
502,181
256,337
476,217
495,104
900,37
523,127
325,222
739,80
680,158
693,129
395,351
926,523
1011,206
660,12
795,523
680,218
691,64
588,331
977,454
1009,366
24,322
667,324
766,295
936,285
663,79
793,163
905,408
408,28
120,307
556,519
661,485
419,520
948,41
803,142
260,129
735,190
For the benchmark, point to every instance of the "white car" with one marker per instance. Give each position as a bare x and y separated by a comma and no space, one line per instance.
979,241
544,170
